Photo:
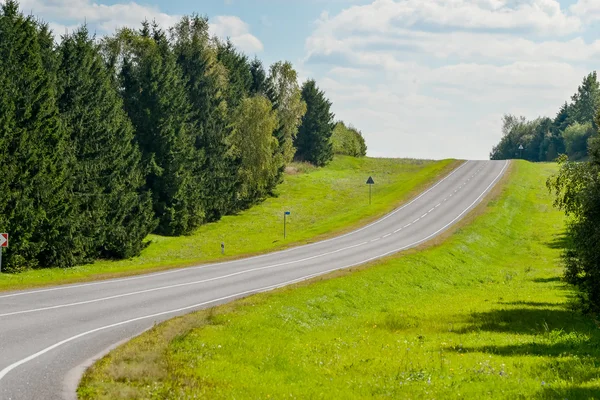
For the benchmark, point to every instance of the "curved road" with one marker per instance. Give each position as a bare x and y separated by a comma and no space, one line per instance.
47,336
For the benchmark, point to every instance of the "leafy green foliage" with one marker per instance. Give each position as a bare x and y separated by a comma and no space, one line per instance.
348,140
149,130
544,139
252,142
576,138
286,96
577,190
313,142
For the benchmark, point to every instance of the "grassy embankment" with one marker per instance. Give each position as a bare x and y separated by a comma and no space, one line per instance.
483,315
322,202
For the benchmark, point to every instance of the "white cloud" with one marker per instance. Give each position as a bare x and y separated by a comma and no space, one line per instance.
588,10
432,78
385,16
237,30
105,19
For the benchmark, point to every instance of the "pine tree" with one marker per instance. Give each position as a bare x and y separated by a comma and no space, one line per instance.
239,76
156,101
313,142
259,78
206,84
115,212
587,100
34,191
563,118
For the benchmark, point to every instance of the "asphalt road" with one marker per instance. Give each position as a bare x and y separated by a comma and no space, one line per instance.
48,336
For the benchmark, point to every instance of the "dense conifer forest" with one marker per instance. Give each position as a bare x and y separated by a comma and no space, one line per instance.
155,129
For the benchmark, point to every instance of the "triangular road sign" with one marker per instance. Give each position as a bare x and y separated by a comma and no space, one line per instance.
370,181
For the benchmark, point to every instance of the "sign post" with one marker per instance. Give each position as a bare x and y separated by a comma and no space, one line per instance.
3,243
370,182
222,247
285,214
521,151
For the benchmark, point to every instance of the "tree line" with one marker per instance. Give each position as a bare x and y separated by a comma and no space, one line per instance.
348,140
577,190
544,138
148,130
572,139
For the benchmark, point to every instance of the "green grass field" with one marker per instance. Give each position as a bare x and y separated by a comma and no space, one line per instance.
483,315
322,202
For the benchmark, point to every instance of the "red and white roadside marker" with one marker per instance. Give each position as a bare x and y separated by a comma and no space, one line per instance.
3,243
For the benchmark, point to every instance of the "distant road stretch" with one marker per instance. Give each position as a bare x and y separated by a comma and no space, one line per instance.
47,336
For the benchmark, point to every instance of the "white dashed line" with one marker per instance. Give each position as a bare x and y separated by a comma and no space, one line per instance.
11,367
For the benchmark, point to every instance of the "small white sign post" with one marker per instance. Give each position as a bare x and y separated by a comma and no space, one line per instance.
3,243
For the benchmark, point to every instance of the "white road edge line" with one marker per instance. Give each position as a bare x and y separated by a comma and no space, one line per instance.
246,271
72,338
66,287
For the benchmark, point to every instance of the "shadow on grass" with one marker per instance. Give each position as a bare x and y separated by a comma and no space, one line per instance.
559,241
571,393
535,320
548,280
565,344
531,304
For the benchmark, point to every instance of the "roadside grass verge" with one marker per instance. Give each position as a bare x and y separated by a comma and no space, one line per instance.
482,315
323,202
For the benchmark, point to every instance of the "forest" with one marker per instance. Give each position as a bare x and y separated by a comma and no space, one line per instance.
155,129
545,138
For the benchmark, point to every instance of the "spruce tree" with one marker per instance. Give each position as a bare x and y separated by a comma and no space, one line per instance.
206,83
587,100
34,190
313,142
239,76
259,78
156,101
115,212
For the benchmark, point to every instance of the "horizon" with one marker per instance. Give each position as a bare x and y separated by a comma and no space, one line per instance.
419,79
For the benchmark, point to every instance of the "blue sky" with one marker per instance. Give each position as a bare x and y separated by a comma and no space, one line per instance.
419,78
